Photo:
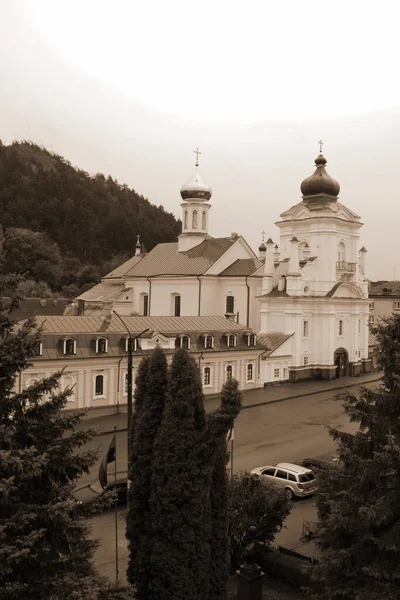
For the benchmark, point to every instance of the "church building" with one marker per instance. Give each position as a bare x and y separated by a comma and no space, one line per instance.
306,297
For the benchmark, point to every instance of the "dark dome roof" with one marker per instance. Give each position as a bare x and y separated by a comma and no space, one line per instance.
195,188
320,182
262,247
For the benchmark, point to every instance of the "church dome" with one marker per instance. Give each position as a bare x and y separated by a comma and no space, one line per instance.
320,182
195,188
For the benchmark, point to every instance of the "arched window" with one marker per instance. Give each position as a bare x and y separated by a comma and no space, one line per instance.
251,339
69,346
182,341
99,385
177,306
207,376
145,304
38,349
178,342
134,344
249,372
341,252
185,224
203,219
229,371
101,345
230,304
208,341
231,340
194,219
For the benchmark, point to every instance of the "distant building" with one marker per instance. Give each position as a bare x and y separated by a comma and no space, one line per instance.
93,351
384,300
32,307
310,291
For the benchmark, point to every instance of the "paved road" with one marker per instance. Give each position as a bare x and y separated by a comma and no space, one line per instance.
266,433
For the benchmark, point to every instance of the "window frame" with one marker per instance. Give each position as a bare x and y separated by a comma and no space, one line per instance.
101,339
231,337
177,305
306,361
396,305
194,219
251,339
277,372
306,329
99,394
207,377
203,220
145,305
37,349
185,220
65,343
230,299
250,371
207,337
135,344
340,328
228,373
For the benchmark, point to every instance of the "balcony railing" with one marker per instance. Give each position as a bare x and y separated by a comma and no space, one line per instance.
345,267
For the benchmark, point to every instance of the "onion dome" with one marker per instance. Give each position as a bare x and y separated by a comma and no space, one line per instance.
195,188
262,247
320,182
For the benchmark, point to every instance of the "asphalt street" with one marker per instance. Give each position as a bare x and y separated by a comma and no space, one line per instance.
288,430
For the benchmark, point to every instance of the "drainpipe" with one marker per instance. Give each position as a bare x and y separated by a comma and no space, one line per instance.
248,303
148,308
118,381
259,361
199,280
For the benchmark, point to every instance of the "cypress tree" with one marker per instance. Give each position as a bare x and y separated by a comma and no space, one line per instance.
219,423
359,500
139,517
180,496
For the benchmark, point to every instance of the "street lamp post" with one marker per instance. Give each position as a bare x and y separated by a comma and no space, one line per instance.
131,343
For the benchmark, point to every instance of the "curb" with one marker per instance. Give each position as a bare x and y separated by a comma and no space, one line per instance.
331,389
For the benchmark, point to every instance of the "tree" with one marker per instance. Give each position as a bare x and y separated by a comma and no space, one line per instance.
45,548
139,516
358,501
180,505
219,423
254,504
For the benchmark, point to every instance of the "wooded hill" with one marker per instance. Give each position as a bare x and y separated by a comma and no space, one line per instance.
90,222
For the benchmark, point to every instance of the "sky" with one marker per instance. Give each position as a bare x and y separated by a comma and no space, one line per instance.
132,88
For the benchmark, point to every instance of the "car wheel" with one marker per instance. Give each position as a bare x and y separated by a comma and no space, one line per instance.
289,494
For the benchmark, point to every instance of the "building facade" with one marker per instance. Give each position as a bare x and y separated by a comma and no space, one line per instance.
92,351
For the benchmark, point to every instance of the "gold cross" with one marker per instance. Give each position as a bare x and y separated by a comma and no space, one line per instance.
320,145
263,234
197,152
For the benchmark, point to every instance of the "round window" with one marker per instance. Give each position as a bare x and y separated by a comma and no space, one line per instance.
306,289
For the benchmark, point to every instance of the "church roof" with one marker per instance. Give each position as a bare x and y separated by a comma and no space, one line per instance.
165,259
102,292
121,271
242,266
272,340
275,293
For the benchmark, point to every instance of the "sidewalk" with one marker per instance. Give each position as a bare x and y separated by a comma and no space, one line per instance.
258,397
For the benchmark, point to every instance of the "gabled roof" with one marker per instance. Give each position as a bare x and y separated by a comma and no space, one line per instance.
272,340
165,259
242,266
275,293
102,292
122,270
65,325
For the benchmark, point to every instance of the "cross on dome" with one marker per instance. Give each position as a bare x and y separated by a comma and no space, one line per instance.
197,152
321,143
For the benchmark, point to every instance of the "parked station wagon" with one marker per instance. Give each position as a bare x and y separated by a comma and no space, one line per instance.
297,481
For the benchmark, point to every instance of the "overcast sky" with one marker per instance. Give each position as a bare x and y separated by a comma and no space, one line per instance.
130,88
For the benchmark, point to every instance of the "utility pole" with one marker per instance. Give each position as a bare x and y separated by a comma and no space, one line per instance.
131,346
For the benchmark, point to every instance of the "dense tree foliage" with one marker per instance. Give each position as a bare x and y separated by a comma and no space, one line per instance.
88,220
359,500
139,517
254,504
219,423
45,549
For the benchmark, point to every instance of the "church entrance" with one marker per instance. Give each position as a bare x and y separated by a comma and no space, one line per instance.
341,360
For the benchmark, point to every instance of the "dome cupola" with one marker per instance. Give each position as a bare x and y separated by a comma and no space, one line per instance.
195,188
320,183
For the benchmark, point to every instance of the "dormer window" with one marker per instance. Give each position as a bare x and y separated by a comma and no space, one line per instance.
182,341
134,342
69,346
208,342
231,340
37,349
102,345
251,339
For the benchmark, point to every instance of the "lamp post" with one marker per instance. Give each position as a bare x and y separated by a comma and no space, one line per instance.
131,342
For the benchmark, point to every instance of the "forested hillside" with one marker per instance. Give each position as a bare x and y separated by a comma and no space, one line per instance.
66,228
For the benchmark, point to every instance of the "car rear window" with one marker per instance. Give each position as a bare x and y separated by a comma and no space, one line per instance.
306,477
